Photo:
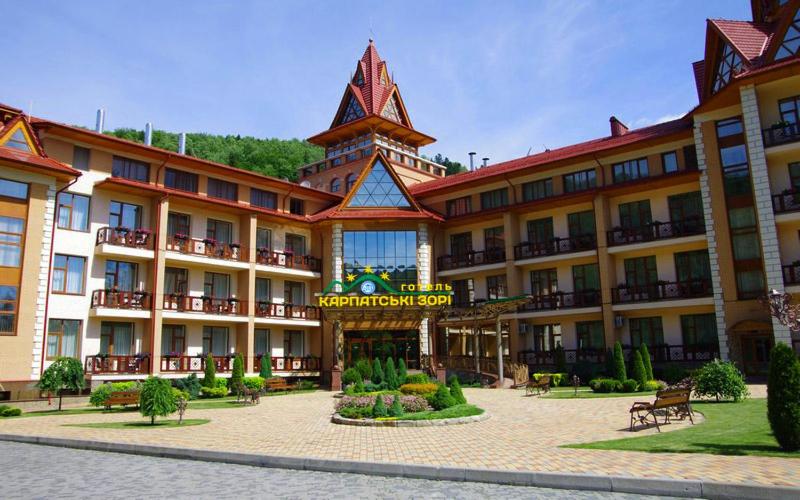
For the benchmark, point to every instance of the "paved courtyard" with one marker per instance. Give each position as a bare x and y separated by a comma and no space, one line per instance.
523,433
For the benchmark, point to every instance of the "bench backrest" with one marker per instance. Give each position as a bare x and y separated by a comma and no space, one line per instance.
124,396
276,381
544,380
671,397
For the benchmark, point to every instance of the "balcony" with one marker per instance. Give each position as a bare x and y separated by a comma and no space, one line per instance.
788,201
288,261
121,304
658,354
205,305
179,363
562,300
663,290
656,231
555,246
290,363
126,242
781,134
108,364
271,310
472,258
192,249
791,273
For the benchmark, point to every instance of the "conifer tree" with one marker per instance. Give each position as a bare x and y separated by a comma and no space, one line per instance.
648,365
619,363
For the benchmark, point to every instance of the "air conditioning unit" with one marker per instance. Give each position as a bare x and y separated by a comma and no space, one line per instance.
619,320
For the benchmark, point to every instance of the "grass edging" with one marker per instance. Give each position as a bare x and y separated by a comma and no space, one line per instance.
142,424
421,419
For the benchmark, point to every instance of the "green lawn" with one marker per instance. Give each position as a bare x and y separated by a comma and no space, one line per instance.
465,410
729,429
143,424
587,393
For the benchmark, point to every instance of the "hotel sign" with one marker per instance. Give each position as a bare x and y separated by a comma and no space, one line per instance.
371,290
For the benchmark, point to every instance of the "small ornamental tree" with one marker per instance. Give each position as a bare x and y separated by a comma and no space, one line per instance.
390,374
402,371
64,373
610,366
783,397
351,376
456,392
639,371
441,399
379,410
210,373
648,365
156,399
560,358
237,375
377,372
619,363
364,368
266,367
396,410
720,379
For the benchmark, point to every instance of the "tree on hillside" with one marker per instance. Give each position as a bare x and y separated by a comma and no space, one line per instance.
453,167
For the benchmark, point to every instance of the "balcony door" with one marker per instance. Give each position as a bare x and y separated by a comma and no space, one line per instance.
178,224
460,244
215,340
581,224
116,338
219,230
295,244
544,282
540,233
693,270
173,340
635,215
217,285
127,215
121,276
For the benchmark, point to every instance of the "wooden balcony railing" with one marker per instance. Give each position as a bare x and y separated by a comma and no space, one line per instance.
555,246
473,258
290,363
788,201
206,305
286,311
288,260
126,237
664,290
658,354
791,274
207,248
183,363
777,135
115,299
138,364
562,300
656,231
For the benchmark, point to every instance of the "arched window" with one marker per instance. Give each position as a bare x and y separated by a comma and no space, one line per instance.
349,181
336,184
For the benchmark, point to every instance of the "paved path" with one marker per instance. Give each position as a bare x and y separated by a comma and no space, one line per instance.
32,471
523,433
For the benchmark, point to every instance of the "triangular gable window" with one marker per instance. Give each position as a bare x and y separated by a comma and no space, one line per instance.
359,78
791,41
17,140
384,77
729,64
390,110
379,190
353,110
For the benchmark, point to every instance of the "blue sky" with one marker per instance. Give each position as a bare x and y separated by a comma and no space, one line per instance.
495,77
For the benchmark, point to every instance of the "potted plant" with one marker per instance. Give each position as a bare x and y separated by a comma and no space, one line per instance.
780,125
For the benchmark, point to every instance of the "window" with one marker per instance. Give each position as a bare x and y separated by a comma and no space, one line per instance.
586,277
295,243
121,276
13,189
294,293
669,162
735,170
494,238
631,170
590,335
635,215
461,243
463,292
790,109
540,231
390,110
686,207
116,338
494,199
127,215
217,285
459,206
80,158
699,329
794,175
178,224
791,41
215,340
12,231
546,337
336,185
379,189
176,281
348,182
8,309
580,181
219,230
132,170
263,199
173,340
537,190
297,206
68,274
62,338
217,188
641,271
18,141
544,282
692,266
496,287
262,343
729,64
353,110
73,212
263,238
581,224
293,343
180,180
646,331
263,290
392,252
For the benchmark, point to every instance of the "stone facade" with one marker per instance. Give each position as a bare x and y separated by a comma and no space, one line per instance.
43,276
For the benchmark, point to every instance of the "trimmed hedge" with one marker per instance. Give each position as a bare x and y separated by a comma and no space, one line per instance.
783,397
213,392
103,392
9,411
630,385
417,378
419,389
351,376
441,399
456,392
556,379
605,385
253,383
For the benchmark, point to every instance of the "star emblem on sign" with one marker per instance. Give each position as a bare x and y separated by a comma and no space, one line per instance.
368,269
385,276
351,277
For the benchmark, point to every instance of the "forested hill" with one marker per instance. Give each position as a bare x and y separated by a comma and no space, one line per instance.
275,157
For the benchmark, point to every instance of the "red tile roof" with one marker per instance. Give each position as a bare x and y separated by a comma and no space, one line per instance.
542,159
36,161
749,38
699,69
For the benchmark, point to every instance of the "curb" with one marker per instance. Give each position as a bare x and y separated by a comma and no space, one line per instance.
591,482
338,419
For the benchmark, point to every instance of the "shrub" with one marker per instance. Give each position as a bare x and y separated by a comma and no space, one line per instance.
648,365
364,368
266,367
630,385
561,358
210,372
456,392
351,376
379,410
441,399
377,372
156,398
9,411
720,379
235,382
390,374
396,409
213,392
402,371
605,385
556,379
64,373
358,386
417,378
253,383
413,404
190,384
103,392
419,389
619,363
179,394
783,397
654,385
639,371
305,385
356,412
221,383
370,387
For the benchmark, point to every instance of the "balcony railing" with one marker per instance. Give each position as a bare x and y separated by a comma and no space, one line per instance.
115,299
288,260
290,363
126,237
182,363
664,290
473,258
658,354
113,364
207,248
206,305
656,231
777,135
555,246
788,201
286,311
791,274
562,300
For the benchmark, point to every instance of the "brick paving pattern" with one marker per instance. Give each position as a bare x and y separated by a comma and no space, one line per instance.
523,433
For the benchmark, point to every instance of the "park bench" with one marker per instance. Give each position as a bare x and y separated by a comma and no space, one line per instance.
247,395
278,384
671,402
542,385
123,398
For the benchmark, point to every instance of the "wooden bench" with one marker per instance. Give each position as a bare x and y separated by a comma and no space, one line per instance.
278,384
123,398
672,402
542,385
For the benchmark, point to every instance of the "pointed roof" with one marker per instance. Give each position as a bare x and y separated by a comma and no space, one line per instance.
32,155
748,38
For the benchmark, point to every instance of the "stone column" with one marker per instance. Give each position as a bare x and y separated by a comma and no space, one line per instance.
337,262
424,278
39,327
763,202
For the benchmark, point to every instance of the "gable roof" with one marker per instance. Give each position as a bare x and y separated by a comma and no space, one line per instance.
36,158
748,38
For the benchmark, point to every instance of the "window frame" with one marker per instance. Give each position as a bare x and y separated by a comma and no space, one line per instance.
139,210
664,157
14,312
495,198
128,166
459,206
630,170
259,195
181,220
65,269
75,149
177,174
222,189
60,336
18,245
297,206
586,178
532,191
70,208
655,328
15,198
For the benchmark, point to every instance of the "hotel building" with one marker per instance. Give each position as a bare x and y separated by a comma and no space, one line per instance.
138,260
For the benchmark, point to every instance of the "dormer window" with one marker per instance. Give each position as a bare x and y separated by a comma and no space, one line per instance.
359,78
791,41
730,63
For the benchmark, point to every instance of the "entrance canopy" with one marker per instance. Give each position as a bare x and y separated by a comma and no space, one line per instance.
402,317
481,311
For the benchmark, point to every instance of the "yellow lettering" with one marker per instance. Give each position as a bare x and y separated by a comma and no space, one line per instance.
438,287
394,301
448,287
383,300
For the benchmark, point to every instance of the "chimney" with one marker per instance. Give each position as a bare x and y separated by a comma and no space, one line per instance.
148,134
182,143
485,162
617,127
472,161
101,121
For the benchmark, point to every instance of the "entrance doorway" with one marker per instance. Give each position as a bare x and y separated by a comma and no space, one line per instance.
755,353
368,344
